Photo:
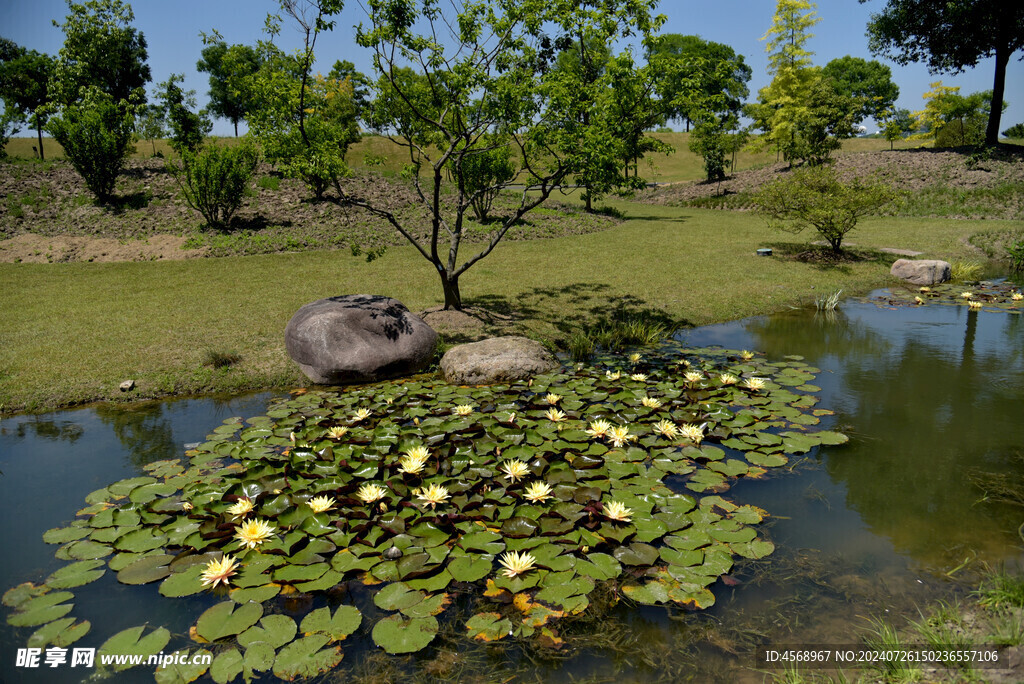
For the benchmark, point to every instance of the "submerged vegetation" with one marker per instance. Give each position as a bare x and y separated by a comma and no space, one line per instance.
499,510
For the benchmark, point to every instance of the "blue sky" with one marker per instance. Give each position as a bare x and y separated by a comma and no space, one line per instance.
172,27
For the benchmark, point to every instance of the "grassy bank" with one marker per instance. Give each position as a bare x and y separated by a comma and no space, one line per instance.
70,333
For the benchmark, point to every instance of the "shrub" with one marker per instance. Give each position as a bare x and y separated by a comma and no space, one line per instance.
1014,131
96,134
214,180
815,197
1016,254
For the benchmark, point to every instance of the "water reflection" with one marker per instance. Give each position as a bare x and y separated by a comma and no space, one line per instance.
927,394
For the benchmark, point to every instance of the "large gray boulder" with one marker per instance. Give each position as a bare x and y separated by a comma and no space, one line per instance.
358,338
922,272
498,359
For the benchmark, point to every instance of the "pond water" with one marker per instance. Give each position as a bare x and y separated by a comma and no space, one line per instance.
930,397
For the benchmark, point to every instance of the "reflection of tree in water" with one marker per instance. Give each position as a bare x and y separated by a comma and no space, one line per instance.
143,430
926,402
51,430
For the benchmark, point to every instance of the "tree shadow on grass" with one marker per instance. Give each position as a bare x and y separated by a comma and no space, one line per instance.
825,259
573,307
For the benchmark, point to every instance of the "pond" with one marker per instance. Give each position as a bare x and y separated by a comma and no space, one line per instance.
902,514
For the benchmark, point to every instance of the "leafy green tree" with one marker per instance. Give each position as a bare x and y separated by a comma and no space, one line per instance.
304,121
24,86
719,69
952,119
1014,131
715,138
950,37
102,50
824,121
97,135
784,101
897,124
869,82
188,128
344,69
495,72
229,66
814,197
151,124
214,180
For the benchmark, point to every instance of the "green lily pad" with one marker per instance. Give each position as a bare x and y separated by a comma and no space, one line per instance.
274,630
184,583
344,621
76,574
306,657
131,642
636,553
227,619
63,535
255,594
188,670
488,627
469,568
87,550
226,666
146,570
398,634
59,633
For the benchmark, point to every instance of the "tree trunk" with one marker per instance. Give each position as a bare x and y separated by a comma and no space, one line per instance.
236,127
452,296
998,86
590,207
39,132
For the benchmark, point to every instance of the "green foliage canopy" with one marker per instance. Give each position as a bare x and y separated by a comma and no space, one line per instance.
229,66
950,37
102,50
497,73
188,128
870,82
24,86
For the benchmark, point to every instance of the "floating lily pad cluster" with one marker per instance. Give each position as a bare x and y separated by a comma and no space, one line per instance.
524,498
985,296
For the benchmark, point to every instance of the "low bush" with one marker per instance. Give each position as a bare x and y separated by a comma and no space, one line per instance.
214,180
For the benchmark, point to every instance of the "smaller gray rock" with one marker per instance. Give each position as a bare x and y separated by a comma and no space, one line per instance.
922,272
498,359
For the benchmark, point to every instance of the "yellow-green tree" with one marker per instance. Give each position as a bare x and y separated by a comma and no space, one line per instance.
783,102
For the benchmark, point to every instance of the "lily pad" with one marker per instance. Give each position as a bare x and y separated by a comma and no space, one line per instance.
146,570
59,633
227,619
488,627
273,630
306,657
193,665
399,634
131,642
344,621
76,574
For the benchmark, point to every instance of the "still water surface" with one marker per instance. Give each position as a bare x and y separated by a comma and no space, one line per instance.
932,399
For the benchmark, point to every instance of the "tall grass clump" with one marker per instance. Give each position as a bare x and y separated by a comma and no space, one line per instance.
827,302
214,180
581,346
1016,254
965,271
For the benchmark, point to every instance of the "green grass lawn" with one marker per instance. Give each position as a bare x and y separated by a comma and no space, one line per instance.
71,332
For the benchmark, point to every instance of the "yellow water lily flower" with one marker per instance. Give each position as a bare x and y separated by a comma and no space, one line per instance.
635,358
252,533
1017,296
553,398
362,414
746,355
337,432
186,506
514,470
599,428
975,304
369,493
683,362
218,571
241,508
693,376
754,383
613,376
554,415
667,428
918,300
694,433
463,409
413,462
639,377
433,495
615,510
650,402
319,504
511,416
516,563
728,379
537,492
924,289
966,295
619,435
